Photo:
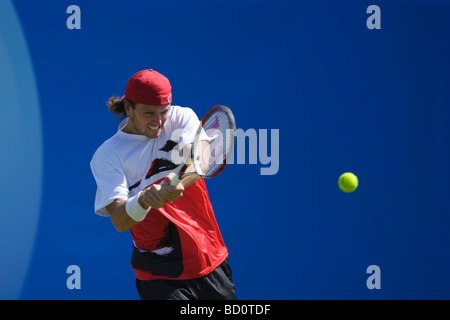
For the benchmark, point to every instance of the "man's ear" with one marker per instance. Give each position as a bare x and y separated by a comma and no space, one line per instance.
127,107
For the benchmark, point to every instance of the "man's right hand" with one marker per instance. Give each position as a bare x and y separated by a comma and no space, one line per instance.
157,195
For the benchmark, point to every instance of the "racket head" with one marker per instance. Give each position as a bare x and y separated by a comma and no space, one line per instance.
214,139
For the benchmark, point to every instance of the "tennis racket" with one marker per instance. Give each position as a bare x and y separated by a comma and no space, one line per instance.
212,145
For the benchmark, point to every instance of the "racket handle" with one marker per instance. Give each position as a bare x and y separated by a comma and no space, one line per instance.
175,181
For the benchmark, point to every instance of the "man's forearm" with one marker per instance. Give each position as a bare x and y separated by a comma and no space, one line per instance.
119,216
190,179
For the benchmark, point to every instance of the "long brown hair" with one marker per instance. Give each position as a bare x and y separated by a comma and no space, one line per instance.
117,106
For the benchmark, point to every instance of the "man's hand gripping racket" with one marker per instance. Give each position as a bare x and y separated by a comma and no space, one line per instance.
212,146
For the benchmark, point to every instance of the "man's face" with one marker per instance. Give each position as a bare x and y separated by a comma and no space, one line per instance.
146,120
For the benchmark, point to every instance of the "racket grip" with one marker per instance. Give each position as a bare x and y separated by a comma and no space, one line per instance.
175,181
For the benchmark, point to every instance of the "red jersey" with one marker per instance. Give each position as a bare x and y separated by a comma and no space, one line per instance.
187,230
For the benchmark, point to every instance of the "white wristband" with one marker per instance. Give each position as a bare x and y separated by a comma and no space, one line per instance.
135,210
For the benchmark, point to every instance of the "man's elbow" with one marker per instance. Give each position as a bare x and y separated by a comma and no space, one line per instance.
120,225
120,228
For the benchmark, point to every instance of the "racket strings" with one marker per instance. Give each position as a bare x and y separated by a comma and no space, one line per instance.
220,137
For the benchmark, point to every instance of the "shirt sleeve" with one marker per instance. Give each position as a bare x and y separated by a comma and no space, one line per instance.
187,123
111,182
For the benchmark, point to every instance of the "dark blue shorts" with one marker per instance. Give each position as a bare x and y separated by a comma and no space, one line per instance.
218,285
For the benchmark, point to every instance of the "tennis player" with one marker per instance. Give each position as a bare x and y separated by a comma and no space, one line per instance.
178,251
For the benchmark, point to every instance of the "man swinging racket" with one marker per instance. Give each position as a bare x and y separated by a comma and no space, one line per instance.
178,251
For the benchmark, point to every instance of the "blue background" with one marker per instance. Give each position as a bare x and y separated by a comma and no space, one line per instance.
344,98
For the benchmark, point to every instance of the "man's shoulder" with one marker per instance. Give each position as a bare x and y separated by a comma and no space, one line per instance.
181,111
108,147
181,116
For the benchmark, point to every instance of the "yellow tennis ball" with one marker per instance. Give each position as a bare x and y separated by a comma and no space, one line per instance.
348,182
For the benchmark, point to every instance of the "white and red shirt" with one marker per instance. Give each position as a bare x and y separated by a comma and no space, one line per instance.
181,240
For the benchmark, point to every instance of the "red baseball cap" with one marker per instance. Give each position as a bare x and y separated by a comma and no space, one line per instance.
149,87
